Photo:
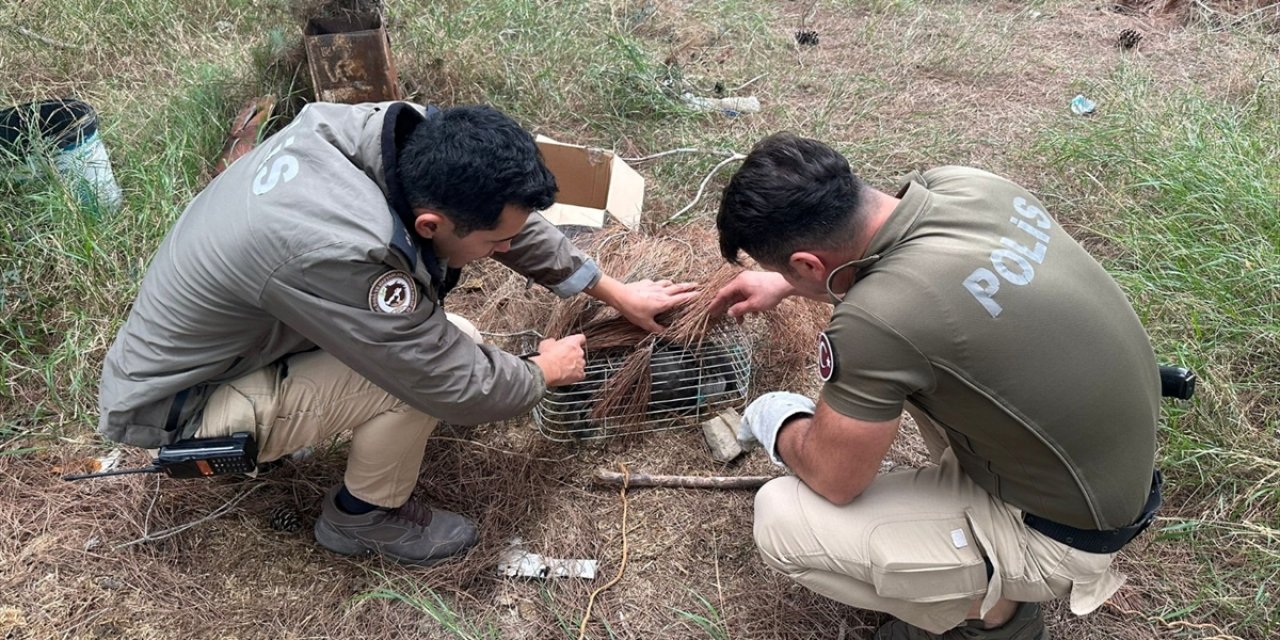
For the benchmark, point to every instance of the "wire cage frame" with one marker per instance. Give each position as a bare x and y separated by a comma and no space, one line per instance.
687,386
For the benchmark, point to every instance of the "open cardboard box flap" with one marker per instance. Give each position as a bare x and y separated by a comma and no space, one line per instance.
592,182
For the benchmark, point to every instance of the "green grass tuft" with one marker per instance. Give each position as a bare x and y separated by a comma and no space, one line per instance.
709,620
1185,190
67,275
433,605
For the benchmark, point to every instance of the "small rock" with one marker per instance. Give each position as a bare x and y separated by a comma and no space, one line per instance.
721,434
110,583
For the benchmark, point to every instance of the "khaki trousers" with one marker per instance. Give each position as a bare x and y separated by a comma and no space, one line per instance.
310,397
916,544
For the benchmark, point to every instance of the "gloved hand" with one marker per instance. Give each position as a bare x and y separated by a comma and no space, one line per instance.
764,418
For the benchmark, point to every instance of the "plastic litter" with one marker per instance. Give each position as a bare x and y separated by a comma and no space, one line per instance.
730,106
1083,106
516,561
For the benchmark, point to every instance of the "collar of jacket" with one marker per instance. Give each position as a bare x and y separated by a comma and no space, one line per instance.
400,121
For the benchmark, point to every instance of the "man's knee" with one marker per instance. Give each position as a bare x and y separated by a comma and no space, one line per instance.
777,515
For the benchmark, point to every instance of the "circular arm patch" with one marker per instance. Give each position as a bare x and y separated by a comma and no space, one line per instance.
826,358
393,292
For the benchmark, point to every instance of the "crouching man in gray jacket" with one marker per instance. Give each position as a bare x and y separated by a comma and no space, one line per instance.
300,295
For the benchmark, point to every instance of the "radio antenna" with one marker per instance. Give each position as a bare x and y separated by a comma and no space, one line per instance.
120,472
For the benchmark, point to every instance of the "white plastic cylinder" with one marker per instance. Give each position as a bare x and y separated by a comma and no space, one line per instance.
86,168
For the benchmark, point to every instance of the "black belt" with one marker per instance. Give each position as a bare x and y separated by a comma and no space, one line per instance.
1093,540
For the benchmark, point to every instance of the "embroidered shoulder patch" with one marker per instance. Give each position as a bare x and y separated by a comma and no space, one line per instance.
826,358
393,292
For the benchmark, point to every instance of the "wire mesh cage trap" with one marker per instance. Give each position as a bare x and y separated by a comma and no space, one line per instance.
685,385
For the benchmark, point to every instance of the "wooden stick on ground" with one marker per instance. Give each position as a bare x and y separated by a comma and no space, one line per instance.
607,478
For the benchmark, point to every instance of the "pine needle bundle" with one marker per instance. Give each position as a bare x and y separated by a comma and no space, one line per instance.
693,321
613,332
625,396
569,316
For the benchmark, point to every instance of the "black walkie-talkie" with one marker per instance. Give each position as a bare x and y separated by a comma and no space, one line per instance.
197,458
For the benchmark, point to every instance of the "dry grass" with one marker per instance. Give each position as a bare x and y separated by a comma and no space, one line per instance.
673,255
973,84
1218,14
237,578
897,85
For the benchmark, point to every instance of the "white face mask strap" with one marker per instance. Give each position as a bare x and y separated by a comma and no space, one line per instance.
837,299
852,264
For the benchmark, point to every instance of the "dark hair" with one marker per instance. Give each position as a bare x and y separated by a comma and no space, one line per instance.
791,194
469,162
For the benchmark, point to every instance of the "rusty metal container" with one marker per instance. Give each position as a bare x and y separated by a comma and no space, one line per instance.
350,59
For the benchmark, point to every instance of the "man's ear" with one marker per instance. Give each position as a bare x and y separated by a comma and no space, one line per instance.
808,265
429,222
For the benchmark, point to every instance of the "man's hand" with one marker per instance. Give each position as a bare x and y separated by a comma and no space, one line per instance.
764,418
751,292
640,302
562,361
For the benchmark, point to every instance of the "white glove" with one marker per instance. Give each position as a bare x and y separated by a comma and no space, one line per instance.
764,418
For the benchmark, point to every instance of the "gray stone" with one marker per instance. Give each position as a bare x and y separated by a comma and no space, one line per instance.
720,433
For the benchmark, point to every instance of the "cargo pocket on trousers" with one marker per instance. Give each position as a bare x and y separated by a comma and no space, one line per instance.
927,560
1088,577
228,411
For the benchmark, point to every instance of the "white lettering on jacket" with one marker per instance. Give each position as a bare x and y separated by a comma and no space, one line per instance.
1013,261
274,171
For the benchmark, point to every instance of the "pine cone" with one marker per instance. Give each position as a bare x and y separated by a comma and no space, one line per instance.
807,37
1129,38
286,520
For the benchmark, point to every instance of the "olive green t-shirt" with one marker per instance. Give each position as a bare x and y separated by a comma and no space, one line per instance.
982,312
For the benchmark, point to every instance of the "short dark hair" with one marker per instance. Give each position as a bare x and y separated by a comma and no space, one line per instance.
791,193
469,162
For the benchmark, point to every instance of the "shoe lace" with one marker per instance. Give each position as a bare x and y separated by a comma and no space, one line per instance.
413,512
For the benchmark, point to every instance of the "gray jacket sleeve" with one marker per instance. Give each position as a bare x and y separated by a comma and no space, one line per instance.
541,252
418,356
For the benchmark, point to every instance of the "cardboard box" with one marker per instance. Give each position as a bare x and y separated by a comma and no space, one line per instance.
592,182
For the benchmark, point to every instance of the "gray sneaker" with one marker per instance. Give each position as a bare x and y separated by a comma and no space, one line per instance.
411,534
1026,624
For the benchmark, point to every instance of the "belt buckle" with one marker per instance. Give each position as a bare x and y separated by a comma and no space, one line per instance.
1145,522
1141,525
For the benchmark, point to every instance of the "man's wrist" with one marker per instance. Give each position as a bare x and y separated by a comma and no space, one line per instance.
790,436
607,290
536,370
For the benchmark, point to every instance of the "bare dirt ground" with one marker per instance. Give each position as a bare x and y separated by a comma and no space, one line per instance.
961,83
